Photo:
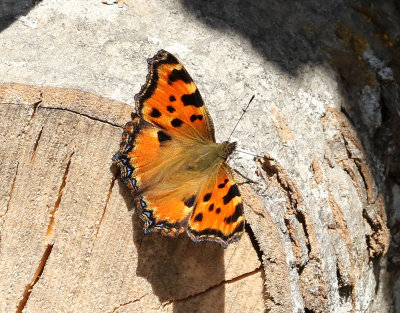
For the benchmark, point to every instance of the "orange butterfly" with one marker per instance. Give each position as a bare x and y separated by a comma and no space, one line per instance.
170,161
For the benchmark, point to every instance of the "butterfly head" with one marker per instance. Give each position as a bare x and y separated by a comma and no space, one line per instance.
227,148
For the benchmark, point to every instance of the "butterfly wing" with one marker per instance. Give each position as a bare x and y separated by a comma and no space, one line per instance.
218,214
164,159
171,101
149,163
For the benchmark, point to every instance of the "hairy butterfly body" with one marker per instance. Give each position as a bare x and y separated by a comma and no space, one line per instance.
170,161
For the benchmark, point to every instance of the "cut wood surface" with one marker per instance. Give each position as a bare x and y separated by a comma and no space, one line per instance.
71,241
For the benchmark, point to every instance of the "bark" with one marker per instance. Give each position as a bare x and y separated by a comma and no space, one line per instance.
71,241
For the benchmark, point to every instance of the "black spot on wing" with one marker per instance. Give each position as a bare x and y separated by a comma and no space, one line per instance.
199,217
171,109
158,125
211,207
223,184
172,99
176,122
235,216
162,136
168,58
232,193
195,117
155,113
179,75
218,210
193,99
207,197
189,202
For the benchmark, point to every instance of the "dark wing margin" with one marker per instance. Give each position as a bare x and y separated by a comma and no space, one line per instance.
170,99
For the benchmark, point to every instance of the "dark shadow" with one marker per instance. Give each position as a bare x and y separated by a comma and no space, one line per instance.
10,10
178,268
334,34
287,33
291,34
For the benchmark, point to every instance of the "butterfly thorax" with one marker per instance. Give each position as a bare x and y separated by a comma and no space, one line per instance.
227,149
209,156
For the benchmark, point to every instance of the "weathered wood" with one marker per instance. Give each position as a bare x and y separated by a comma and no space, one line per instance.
70,240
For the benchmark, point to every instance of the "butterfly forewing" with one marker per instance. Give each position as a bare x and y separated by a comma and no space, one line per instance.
171,100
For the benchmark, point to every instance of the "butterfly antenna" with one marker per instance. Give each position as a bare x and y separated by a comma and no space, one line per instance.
248,180
249,153
241,116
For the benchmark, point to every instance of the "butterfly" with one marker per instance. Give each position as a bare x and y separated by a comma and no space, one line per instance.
171,163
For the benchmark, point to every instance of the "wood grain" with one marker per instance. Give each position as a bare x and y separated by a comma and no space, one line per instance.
70,239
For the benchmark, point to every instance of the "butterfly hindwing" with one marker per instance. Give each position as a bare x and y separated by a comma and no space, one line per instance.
218,214
171,100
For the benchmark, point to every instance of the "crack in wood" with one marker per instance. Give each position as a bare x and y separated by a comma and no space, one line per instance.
345,289
35,279
58,201
349,139
83,114
367,179
11,190
127,303
360,165
345,285
378,241
229,281
107,200
36,145
34,106
113,179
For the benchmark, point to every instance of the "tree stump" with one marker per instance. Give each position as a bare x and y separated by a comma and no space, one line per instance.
70,240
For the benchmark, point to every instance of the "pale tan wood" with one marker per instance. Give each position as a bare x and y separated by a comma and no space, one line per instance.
70,239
